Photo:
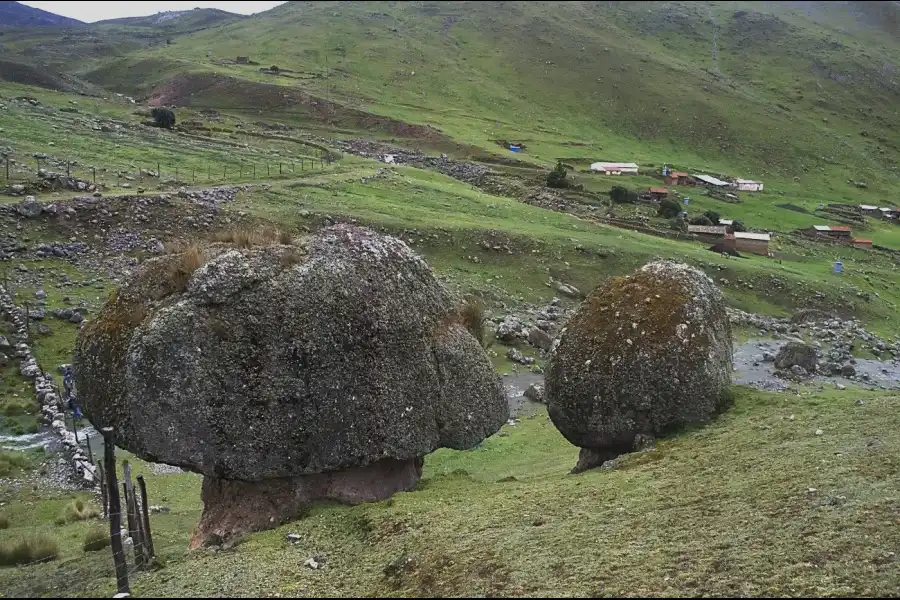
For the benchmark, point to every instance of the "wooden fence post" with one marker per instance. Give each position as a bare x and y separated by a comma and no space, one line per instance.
176,174
134,527
67,169
145,509
279,169
90,452
115,511
159,172
7,168
254,171
75,427
208,172
267,170
225,173
103,494
94,172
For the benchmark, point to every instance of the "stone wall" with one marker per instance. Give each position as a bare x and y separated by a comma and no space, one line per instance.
48,396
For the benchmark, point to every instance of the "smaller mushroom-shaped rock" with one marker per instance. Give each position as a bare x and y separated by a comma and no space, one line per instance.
642,355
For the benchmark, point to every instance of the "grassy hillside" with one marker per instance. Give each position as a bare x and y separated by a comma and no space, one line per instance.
754,505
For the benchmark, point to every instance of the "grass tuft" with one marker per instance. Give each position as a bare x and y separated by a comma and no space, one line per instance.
97,538
12,461
26,551
4,522
76,510
472,317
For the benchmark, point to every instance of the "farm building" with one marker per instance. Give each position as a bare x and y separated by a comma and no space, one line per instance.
614,168
747,185
711,181
862,244
658,193
754,243
836,232
677,178
726,222
889,213
711,233
243,60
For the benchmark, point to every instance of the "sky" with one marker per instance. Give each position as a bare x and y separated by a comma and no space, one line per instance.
99,11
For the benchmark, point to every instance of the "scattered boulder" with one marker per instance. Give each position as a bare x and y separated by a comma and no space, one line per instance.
641,355
287,374
29,207
535,393
799,371
539,338
515,355
510,329
848,371
568,290
796,353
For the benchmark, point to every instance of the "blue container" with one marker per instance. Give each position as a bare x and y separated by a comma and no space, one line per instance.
838,267
514,149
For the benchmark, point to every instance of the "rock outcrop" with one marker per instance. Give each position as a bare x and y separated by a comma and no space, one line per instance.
642,355
323,369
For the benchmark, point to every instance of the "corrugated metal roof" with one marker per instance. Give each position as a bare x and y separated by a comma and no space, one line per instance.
746,235
711,180
714,229
726,222
841,228
868,207
821,227
659,190
678,174
747,181
613,165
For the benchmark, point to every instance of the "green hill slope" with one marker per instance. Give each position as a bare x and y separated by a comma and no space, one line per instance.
750,88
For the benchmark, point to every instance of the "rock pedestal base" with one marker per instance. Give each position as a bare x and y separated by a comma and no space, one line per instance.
232,507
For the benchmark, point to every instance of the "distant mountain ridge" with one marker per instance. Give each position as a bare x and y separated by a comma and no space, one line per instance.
16,14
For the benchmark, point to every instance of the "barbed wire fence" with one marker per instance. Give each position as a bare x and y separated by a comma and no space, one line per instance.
38,170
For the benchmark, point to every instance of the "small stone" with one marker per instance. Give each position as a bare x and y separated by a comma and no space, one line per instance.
293,537
535,393
859,402
315,562
820,432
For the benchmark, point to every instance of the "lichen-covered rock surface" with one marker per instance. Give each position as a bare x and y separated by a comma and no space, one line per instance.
642,355
287,360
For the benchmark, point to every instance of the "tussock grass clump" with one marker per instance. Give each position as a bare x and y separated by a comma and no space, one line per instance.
12,461
26,551
4,522
184,266
97,538
291,258
248,238
472,317
76,510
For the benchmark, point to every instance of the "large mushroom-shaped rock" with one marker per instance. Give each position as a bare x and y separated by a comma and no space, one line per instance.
287,374
641,356
796,354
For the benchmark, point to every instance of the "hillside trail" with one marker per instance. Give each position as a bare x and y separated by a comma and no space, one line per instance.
715,42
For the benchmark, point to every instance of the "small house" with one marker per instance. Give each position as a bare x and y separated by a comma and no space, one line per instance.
747,185
243,60
869,209
658,193
726,222
711,181
710,233
613,168
677,178
889,213
862,244
754,243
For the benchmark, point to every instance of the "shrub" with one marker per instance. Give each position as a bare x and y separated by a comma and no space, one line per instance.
472,317
4,522
737,226
40,548
163,117
76,510
678,224
701,220
622,195
274,68
713,216
96,538
557,177
668,209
